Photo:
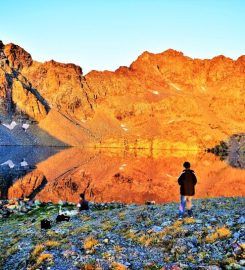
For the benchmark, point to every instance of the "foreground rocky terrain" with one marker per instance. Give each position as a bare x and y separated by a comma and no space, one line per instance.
117,236
164,100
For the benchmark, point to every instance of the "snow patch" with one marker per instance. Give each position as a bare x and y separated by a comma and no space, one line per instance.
25,126
175,86
23,163
11,126
170,121
155,92
9,163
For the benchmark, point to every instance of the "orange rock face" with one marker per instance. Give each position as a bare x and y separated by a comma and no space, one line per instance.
164,100
28,185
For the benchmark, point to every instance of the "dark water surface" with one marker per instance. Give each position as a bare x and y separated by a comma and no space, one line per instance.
53,174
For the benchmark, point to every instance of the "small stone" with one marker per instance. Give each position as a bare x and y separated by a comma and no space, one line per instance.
11,206
241,220
199,221
156,229
234,266
37,203
213,267
213,220
23,209
194,241
238,251
166,223
106,241
194,250
190,245
229,223
167,238
242,262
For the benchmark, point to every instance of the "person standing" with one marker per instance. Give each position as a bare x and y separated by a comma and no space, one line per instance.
83,204
187,181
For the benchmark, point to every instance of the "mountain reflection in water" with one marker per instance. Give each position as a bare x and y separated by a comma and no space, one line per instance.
115,175
17,162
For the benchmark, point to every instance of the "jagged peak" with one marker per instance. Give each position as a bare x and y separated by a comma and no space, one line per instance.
144,56
17,56
146,53
168,52
14,47
172,52
54,63
122,70
221,57
241,58
147,56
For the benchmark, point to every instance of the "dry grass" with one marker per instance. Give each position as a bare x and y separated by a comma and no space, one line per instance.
155,239
53,234
106,255
85,218
107,226
90,266
220,233
118,248
44,257
39,248
131,234
122,215
146,240
83,229
189,220
52,244
10,251
118,266
90,242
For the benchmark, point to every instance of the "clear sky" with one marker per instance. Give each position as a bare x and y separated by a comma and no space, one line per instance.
105,34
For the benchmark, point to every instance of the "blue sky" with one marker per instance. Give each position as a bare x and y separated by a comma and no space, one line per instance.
105,34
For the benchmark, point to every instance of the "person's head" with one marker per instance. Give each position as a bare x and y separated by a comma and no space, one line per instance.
82,196
187,165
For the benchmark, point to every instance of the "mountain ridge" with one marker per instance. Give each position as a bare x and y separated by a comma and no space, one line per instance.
163,100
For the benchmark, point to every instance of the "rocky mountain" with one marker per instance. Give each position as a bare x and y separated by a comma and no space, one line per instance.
164,100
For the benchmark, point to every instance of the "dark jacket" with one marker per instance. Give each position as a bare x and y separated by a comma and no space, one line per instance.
187,182
83,205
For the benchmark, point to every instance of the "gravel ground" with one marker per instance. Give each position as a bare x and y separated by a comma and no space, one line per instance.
117,236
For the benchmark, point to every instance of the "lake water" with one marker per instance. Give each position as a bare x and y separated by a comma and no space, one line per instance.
136,176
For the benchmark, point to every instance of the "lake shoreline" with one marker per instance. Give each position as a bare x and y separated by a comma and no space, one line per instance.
120,236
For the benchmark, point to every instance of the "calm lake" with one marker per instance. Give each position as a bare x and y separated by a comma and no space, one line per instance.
135,176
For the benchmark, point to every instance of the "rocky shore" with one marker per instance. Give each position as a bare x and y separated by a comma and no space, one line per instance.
118,236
